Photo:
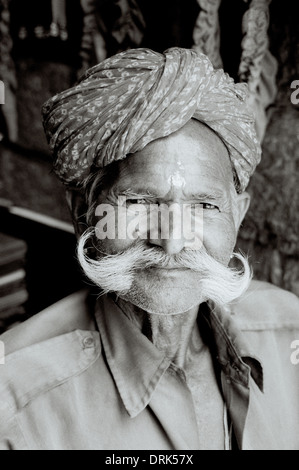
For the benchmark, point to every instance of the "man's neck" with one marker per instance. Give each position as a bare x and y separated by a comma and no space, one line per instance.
171,334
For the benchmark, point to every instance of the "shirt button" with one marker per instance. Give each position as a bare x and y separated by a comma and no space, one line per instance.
88,342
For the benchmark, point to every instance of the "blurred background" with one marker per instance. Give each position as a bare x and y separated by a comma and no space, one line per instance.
45,45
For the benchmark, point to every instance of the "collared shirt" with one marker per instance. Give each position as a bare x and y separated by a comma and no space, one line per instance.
66,385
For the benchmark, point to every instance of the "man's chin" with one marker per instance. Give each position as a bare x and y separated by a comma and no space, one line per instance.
164,300
165,292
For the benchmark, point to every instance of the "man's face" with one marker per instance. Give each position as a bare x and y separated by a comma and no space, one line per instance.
189,167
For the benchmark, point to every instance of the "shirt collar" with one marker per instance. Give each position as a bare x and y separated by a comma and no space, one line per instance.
137,365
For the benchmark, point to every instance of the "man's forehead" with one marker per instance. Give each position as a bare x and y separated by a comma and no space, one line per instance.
194,156
193,135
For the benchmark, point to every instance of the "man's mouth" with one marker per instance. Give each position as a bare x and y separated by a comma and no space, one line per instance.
169,268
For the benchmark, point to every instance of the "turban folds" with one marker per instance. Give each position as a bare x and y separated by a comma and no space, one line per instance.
138,96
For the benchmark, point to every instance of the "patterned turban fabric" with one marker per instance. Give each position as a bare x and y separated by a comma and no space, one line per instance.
138,96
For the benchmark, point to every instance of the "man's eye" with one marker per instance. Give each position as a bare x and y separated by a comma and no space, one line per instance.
136,201
208,206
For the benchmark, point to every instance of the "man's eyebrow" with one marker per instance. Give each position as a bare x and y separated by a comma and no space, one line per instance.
212,195
137,192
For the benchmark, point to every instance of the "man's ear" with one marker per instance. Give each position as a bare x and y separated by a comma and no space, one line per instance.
243,203
78,208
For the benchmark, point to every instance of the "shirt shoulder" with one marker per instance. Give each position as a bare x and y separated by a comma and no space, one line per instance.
68,314
45,351
265,306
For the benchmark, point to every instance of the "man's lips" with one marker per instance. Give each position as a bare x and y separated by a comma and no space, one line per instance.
168,268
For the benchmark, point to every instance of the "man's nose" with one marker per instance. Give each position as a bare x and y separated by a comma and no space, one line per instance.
168,235
182,229
171,247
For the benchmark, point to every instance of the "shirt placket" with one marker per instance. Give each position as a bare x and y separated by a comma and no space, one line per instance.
236,396
234,377
172,404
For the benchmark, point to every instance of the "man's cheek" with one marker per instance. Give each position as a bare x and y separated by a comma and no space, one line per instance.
118,222
219,240
112,247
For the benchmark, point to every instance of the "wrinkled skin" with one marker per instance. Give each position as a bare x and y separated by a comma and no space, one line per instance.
191,166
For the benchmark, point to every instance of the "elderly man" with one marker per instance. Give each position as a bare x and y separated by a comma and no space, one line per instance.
180,351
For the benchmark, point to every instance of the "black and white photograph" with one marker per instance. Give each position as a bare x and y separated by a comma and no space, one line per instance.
149,238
